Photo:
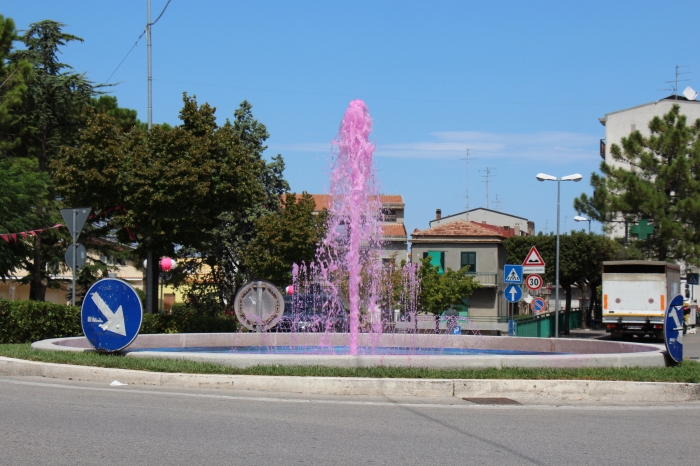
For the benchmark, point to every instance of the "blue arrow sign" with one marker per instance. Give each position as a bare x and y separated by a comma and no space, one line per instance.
513,293
673,329
513,274
111,315
456,330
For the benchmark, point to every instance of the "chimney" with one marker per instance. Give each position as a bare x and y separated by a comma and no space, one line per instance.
517,229
438,214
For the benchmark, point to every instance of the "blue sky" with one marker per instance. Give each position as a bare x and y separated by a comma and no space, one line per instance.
521,84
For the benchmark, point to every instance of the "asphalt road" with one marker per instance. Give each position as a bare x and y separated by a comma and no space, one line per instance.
52,422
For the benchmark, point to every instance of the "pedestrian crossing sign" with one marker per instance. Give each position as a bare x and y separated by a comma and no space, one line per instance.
513,274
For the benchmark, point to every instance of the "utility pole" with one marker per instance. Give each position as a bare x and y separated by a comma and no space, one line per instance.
149,253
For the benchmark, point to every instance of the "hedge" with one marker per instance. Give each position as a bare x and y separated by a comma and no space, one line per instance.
29,321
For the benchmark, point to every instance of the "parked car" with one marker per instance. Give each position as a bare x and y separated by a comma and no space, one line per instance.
312,313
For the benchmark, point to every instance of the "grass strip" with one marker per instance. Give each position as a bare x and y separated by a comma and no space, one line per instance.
687,372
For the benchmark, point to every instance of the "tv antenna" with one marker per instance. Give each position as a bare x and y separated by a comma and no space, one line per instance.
674,82
498,203
467,184
486,177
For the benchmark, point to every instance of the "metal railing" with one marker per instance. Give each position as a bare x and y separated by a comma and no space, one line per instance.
486,279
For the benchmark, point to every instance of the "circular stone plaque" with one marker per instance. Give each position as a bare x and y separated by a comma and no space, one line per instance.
259,305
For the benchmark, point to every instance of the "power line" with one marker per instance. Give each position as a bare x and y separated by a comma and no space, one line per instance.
127,54
137,41
161,13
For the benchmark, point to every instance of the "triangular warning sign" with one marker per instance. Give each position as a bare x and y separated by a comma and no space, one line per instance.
512,276
533,258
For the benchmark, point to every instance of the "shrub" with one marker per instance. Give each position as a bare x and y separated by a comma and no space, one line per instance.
29,321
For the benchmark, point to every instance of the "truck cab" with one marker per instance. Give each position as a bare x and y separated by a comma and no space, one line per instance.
635,296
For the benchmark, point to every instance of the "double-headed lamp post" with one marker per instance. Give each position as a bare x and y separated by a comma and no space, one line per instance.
542,177
578,218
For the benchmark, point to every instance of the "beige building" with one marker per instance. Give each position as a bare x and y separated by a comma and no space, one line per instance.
458,243
621,123
393,228
13,289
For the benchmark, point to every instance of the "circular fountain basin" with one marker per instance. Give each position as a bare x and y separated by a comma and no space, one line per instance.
418,350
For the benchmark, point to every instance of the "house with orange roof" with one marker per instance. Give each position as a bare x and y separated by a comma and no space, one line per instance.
393,229
459,243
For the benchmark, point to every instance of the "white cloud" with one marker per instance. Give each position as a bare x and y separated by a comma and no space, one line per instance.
444,145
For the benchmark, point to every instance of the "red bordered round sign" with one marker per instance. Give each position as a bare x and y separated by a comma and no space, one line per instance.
533,282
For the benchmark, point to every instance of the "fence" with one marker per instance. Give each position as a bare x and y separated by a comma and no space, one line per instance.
542,325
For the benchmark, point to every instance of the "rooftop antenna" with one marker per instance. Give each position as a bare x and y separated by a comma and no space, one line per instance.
487,170
467,184
498,203
674,82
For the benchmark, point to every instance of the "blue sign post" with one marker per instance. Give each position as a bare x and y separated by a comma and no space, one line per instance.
111,315
692,279
673,329
513,274
513,293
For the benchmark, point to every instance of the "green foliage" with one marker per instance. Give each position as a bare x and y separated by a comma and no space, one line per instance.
29,321
225,252
440,292
662,186
125,118
49,116
284,238
13,76
21,185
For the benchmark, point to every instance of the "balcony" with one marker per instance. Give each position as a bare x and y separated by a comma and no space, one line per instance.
485,279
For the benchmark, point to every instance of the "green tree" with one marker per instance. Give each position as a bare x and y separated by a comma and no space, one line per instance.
21,184
659,181
51,115
163,189
284,238
226,251
125,117
13,76
440,292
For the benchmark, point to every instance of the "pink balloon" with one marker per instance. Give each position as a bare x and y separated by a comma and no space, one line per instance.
166,264
290,289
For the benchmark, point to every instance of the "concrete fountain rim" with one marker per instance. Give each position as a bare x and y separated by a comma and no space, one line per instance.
587,353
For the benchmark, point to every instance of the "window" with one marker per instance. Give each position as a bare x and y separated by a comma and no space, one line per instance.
437,259
469,259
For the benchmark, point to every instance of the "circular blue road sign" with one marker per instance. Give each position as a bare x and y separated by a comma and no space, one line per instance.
513,293
111,314
673,329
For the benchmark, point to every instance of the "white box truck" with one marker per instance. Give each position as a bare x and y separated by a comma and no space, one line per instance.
635,296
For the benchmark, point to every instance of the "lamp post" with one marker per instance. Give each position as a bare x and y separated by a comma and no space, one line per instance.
578,218
543,177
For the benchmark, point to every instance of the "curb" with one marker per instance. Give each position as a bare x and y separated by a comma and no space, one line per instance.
570,390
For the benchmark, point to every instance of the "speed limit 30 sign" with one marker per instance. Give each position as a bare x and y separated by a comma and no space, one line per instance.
533,282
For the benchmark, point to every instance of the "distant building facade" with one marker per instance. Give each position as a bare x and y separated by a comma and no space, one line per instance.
393,228
621,123
520,225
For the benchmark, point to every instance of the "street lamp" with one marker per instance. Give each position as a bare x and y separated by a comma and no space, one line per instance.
578,218
542,177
